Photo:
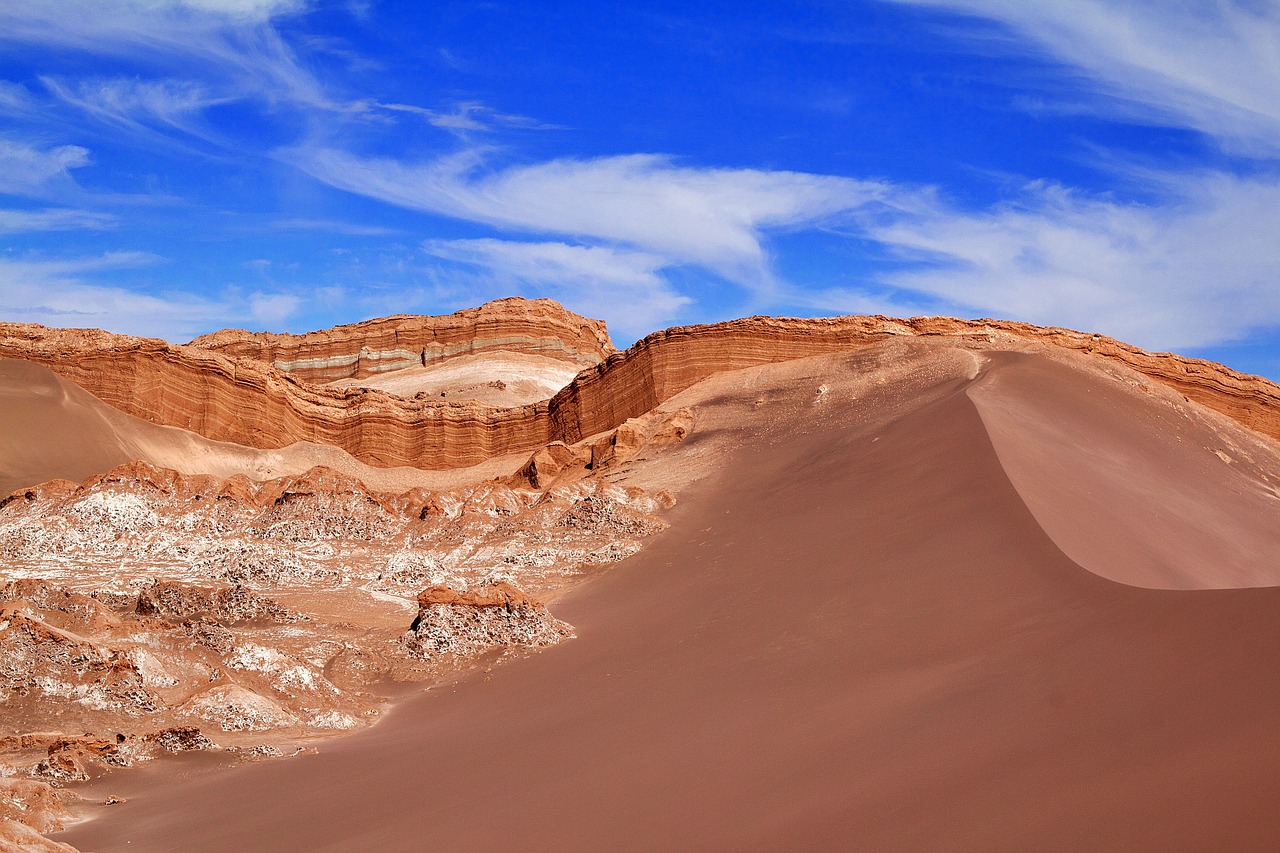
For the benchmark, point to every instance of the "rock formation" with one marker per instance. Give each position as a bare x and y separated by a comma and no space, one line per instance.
19,838
537,326
467,622
152,534
130,609
252,402
146,611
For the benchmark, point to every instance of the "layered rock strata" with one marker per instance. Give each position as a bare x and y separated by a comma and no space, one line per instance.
358,350
251,402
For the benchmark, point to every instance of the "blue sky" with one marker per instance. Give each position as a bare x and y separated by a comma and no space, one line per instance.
170,167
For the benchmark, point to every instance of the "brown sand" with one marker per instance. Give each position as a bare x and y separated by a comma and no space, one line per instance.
495,378
857,638
52,428
1130,488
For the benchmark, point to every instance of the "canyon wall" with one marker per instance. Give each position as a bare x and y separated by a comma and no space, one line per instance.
358,350
254,403
665,363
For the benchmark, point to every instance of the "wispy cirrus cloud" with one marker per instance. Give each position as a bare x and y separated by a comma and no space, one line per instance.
232,41
1197,268
1191,269
178,59
1211,66
16,99
632,237
139,105
712,217
54,219
249,9
272,309
472,117
625,288
31,170
69,292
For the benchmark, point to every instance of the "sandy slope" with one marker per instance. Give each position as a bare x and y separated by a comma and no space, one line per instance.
855,635
51,428
1132,483
496,378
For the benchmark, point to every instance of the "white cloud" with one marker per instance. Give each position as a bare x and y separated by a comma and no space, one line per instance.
64,293
1199,269
15,98
471,116
712,217
552,261
624,288
1212,66
67,11
53,219
232,41
1192,270
252,9
272,309
28,170
134,103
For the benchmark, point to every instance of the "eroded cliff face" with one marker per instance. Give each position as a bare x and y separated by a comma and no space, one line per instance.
665,363
251,402
534,326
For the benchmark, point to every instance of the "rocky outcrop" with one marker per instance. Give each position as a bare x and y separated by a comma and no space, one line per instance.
32,802
228,606
538,326
253,403
653,428
195,548
119,622
257,405
548,463
19,838
468,622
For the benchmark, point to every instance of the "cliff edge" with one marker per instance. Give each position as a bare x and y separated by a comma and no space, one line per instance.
222,387
358,350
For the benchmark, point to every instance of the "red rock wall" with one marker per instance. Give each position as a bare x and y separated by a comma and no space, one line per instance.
538,326
252,403
666,363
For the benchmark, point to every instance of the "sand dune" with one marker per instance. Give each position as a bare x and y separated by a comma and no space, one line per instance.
51,428
1132,484
860,632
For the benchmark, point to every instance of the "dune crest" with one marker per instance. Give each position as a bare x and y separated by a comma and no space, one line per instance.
1132,483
